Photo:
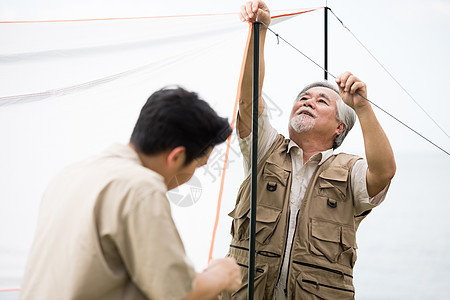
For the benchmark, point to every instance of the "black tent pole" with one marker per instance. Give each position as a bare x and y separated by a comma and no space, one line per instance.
325,74
251,259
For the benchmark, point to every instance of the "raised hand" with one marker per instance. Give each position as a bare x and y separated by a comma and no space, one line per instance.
351,88
251,9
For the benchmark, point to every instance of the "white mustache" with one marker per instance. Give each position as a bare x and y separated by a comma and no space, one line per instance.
307,109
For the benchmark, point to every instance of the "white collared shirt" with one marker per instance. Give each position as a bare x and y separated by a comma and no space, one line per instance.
301,176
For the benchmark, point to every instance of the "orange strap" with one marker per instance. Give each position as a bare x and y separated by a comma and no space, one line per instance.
296,12
116,19
219,201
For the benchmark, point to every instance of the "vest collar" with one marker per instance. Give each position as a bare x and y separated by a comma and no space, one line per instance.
279,159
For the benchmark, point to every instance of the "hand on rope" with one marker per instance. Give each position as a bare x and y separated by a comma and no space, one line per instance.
251,9
352,91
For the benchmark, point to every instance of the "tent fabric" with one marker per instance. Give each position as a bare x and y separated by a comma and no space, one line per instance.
72,87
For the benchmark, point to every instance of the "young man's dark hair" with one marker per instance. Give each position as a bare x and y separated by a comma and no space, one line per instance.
174,117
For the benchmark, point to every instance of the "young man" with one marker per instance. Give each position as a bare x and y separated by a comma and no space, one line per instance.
105,229
310,200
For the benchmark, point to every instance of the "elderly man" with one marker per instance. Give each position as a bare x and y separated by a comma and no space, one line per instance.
310,200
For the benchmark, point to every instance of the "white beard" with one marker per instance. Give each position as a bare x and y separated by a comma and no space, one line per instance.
302,123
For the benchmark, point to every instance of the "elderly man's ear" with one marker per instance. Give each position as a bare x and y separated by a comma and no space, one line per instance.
340,129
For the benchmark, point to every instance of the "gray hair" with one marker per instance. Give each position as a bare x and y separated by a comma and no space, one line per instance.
344,113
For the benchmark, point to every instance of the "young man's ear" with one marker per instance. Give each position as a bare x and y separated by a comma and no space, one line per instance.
176,157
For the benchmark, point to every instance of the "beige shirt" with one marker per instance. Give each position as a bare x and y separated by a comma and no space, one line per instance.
301,176
105,231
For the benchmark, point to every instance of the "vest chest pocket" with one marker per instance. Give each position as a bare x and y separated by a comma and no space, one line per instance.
335,242
267,219
275,174
333,183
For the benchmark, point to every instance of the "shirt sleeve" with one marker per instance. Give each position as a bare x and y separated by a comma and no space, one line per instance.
266,137
359,187
153,252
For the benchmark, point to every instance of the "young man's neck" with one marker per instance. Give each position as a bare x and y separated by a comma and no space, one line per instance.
155,163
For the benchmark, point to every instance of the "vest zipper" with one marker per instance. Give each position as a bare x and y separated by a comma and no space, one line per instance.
238,247
322,268
284,248
256,269
268,254
263,253
300,211
290,252
317,284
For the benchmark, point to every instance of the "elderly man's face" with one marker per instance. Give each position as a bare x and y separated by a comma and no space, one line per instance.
315,110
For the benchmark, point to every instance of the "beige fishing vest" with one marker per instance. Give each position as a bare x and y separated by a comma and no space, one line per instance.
324,247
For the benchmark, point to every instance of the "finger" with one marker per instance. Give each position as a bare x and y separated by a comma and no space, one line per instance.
339,79
249,9
343,78
231,259
341,89
259,5
350,81
357,86
256,5
243,14
235,284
